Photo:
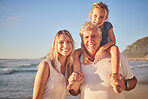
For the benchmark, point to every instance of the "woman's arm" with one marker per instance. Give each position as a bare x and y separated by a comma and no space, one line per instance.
40,80
74,77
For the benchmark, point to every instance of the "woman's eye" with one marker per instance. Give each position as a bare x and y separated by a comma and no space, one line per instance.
61,42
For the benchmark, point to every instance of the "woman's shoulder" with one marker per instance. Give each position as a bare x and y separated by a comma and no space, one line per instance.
44,64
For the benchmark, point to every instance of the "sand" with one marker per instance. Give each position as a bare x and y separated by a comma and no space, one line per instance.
140,92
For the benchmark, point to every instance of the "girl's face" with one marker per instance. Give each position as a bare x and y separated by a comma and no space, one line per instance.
98,16
64,45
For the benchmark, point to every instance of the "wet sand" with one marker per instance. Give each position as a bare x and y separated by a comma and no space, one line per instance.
140,92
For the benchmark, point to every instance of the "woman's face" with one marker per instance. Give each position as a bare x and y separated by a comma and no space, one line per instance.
64,45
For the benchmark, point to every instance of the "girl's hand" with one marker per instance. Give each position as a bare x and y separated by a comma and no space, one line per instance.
118,82
86,59
99,54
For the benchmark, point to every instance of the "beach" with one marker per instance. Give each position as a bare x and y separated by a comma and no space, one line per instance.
140,92
17,78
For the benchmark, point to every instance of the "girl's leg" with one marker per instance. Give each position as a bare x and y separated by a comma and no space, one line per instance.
114,51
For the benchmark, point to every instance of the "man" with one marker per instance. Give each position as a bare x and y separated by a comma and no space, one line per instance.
97,82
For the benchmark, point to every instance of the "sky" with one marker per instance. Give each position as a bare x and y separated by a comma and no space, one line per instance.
27,27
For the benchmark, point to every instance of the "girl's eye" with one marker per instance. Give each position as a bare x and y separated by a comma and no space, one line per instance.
95,16
101,17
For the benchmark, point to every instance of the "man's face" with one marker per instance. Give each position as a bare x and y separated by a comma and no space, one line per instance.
91,40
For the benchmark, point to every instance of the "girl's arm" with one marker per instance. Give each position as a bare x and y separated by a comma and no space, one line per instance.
99,54
112,40
40,80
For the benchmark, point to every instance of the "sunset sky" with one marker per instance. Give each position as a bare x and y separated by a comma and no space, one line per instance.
27,27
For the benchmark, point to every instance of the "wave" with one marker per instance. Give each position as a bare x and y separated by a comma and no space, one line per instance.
26,65
6,71
10,71
139,66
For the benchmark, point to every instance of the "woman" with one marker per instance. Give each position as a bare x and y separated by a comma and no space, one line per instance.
51,78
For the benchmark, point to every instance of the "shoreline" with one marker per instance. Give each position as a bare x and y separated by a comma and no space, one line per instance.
137,59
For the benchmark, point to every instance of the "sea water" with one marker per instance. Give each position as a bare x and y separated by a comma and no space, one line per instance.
17,77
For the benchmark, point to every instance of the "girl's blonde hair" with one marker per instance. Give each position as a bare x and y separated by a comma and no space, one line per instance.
54,55
100,5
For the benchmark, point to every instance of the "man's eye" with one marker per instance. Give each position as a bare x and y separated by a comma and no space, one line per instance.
86,37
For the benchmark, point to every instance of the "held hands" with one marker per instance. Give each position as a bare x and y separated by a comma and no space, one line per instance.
75,80
117,84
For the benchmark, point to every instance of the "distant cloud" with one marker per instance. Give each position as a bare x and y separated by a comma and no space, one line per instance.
9,21
12,19
3,8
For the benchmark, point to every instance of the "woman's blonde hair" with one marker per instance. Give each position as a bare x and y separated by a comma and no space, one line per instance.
100,5
54,55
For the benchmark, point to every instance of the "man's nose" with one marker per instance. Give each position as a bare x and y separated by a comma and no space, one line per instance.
90,39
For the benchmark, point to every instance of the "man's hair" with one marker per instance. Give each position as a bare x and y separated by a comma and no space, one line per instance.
89,25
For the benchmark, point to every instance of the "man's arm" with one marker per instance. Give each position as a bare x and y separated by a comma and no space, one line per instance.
126,85
130,84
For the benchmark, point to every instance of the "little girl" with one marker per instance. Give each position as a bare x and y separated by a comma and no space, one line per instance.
98,15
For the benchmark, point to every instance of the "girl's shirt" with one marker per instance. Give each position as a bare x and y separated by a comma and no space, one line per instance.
56,86
105,29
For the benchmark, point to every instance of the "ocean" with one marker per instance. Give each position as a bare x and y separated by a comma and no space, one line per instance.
17,77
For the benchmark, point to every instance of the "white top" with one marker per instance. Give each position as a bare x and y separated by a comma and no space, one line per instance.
56,87
96,79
